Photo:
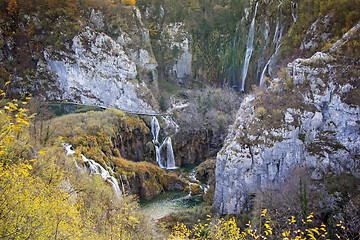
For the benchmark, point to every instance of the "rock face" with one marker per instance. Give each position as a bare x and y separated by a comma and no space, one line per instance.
94,76
133,140
308,117
146,179
194,146
179,42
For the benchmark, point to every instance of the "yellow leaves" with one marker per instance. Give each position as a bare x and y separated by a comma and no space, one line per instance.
35,208
12,106
286,233
21,120
292,220
42,153
227,229
263,213
128,2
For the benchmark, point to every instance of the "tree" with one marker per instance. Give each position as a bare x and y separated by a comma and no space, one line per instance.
30,208
12,7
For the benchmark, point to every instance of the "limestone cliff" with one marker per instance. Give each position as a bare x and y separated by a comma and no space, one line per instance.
307,117
95,58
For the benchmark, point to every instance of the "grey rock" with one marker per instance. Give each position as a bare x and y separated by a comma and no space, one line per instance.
326,137
97,73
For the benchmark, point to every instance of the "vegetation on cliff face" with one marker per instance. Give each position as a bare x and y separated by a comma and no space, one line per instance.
28,28
320,23
113,138
43,195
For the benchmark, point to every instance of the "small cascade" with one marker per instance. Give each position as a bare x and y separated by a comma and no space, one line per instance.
234,58
70,151
277,37
96,168
249,49
294,7
192,180
122,184
276,31
122,145
169,163
155,129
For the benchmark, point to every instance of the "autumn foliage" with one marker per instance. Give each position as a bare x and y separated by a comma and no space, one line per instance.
128,2
44,196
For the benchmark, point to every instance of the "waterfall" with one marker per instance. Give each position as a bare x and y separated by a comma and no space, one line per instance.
70,151
121,145
234,80
155,129
158,156
276,31
122,184
96,168
277,38
169,163
293,9
249,49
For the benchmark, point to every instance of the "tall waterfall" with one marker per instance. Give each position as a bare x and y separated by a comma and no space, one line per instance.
169,162
249,49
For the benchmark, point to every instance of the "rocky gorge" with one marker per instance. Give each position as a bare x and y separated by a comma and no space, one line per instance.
256,97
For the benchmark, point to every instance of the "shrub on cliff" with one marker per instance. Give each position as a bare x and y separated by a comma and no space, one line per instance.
44,196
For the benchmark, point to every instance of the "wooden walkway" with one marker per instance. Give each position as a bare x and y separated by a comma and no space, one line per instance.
103,107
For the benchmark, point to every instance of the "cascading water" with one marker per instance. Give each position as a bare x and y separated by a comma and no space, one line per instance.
249,49
270,60
122,184
277,37
276,31
234,58
294,7
155,129
70,151
96,168
169,163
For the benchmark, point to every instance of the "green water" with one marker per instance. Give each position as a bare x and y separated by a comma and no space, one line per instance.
169,202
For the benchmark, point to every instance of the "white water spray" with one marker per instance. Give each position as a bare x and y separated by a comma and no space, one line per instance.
169,163
70,151
96,168
294,6
249,49
155,129
277,38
